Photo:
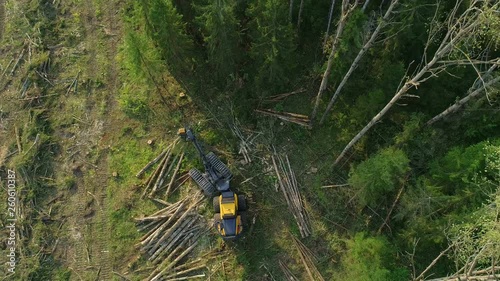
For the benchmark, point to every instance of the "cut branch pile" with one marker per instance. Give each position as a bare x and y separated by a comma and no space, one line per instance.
172,233
288,185
165,174
308,260
299,119
246,144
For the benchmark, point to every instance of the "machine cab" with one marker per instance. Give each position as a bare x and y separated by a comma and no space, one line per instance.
227,218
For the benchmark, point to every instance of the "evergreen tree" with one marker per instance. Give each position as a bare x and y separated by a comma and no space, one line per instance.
370,259
220,30
167,29
379,175
273,43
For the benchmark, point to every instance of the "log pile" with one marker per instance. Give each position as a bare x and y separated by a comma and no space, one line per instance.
171,235
308,260
165,176
289,186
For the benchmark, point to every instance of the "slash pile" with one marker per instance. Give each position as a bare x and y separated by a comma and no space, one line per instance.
247,143
288,185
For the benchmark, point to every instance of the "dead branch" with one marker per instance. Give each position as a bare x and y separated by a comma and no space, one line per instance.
281,97
187,277
327,33
308,260
392,207
198,267
17,62
299,119
74,84
8,65
299,17
246,142
18,139
434,262
121,276
335,185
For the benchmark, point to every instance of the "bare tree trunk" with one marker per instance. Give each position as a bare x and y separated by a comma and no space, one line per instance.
461,102
346,11
291,10
365,5
300,13
459,29
329,23
434,262
464,100
362,52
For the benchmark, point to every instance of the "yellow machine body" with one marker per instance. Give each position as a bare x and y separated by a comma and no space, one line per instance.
231,223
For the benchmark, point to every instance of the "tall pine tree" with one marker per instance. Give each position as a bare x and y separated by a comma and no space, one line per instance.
273,44
167,29
220,31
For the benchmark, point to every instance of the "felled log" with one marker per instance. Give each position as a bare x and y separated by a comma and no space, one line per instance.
151,163
285,95
298,119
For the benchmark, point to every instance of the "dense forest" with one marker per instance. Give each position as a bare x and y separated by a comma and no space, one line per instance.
388,110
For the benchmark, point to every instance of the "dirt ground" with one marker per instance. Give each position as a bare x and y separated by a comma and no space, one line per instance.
88,251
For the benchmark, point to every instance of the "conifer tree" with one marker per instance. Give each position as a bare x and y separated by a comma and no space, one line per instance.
220,31
167,29
273,43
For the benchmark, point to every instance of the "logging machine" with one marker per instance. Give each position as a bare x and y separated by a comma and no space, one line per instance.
228,206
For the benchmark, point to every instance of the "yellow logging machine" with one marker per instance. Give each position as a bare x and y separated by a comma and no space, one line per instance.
228,206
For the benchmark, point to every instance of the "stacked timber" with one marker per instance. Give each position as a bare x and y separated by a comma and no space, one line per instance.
171,235
290,189
165,176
